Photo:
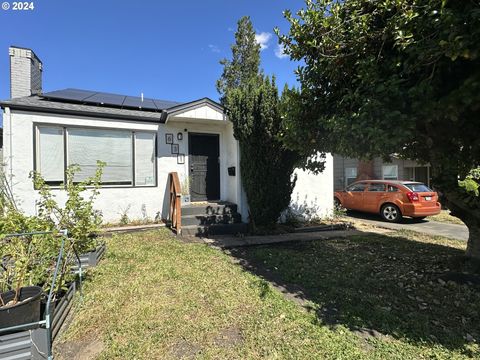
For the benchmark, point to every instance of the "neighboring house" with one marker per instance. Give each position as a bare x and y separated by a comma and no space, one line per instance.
141,140
347,171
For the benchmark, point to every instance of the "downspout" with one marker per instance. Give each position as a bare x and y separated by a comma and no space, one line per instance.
8,115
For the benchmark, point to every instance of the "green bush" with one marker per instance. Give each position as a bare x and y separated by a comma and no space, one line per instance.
77,216
30,259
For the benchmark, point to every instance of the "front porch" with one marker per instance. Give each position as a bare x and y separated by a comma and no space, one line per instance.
207,168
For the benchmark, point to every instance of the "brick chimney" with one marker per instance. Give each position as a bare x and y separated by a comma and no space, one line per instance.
25,72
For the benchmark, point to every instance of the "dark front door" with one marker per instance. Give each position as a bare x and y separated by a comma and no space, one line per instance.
203,152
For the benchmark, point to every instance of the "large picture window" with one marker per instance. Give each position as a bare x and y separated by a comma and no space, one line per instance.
129,155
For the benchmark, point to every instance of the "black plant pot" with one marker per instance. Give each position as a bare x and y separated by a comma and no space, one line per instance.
25,311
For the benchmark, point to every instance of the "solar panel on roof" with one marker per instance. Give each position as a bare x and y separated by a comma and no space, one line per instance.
69,94
137,102
95,97
107,99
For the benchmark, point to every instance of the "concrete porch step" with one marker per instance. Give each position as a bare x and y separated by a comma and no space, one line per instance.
210,208
215,229
211,219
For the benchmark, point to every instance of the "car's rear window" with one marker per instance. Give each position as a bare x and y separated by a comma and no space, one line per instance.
418,187
392,188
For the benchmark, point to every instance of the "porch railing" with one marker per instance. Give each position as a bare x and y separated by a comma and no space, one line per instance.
175,213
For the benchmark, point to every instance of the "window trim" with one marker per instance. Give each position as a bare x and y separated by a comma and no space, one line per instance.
64,127
383,172
348,177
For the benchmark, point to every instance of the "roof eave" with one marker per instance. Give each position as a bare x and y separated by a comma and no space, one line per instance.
190,105
41,109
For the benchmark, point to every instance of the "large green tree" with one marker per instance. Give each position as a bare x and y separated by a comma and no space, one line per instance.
245,63
254,107
394,77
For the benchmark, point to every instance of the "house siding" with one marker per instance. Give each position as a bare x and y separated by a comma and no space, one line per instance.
314,190
340,164
113,201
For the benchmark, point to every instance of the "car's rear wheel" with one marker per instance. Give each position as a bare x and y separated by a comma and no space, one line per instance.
391,213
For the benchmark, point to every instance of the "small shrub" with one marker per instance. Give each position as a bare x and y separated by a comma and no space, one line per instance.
291,218
124,219
338,210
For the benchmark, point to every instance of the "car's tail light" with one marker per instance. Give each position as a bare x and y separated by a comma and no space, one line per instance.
412,196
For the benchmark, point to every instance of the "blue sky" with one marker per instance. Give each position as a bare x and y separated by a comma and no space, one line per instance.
165,49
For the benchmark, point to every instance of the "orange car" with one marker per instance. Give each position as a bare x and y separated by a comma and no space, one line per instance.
390,198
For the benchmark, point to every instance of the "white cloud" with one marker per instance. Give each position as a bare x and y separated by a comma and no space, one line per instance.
263,38
280,51
214,48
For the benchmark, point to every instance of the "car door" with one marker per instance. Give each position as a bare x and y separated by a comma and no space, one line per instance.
373,197
354,196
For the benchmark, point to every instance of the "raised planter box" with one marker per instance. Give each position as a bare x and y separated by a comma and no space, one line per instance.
32,344
91,258
24,345
62,309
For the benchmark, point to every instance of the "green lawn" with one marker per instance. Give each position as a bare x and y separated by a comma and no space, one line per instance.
154,297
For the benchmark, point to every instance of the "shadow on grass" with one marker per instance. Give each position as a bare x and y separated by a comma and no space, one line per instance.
376,217
377,285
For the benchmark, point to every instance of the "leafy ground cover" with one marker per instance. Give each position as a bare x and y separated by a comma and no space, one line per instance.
405,292
366,297
445,217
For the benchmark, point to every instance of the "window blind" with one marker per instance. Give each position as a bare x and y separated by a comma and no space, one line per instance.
390,172
114,147
144,159
51,155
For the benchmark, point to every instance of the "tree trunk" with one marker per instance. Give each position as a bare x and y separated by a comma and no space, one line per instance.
465,208
461,204
473,246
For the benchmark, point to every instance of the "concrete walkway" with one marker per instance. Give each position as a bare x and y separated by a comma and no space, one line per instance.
454,231
227,242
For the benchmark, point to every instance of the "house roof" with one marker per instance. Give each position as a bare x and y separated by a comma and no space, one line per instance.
104,105
89,97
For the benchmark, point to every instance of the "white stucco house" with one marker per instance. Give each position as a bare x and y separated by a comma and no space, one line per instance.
141,140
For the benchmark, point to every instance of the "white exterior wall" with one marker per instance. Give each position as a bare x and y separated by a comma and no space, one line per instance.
228,153
314,192
112,201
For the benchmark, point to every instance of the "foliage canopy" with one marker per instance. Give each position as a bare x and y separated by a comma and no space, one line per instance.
383,78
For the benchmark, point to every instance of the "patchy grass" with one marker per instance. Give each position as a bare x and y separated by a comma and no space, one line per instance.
132,222
393,290
445,217
154,297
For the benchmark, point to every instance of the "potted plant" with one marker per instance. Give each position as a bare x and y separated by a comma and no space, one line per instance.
185,190
26,261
